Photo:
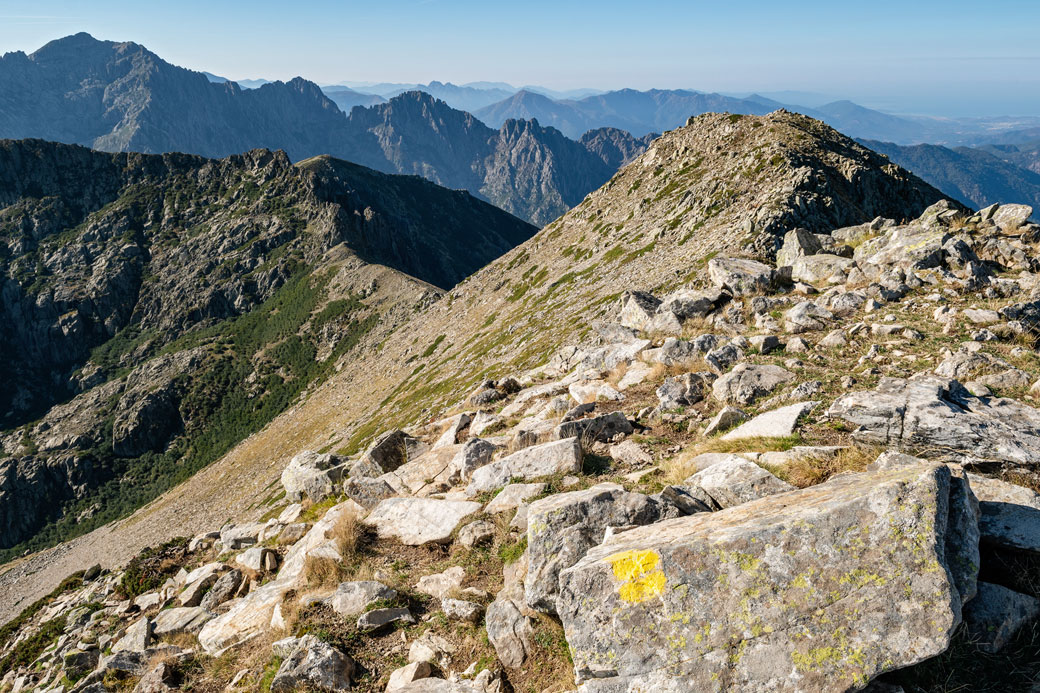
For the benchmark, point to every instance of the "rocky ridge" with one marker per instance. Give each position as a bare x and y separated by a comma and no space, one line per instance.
862,535
697,192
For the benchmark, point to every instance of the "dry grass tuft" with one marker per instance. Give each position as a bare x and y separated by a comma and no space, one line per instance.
682,465
617,373
809,471
351,538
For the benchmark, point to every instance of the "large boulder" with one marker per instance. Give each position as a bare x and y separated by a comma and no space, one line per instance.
1011,217
797,243
938,413
685,304
313,475
417,521
601,428
388,452
906,247
557,457
562,527
820,589
818,268
741,277
638,309
806,317
747,382
684,390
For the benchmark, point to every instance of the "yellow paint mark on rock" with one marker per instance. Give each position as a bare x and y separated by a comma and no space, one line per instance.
639,575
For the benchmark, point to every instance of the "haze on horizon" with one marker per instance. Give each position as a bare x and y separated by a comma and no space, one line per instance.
952,58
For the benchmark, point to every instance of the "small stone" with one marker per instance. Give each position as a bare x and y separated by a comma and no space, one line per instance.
352,598
725,420
380,618
415,671
441,585
476,533
460,610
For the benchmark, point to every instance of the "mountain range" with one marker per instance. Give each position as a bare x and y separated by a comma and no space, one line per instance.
977,177
121,97
531,154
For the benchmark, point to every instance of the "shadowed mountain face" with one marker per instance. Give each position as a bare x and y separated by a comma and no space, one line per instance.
976,177
162,307
121,97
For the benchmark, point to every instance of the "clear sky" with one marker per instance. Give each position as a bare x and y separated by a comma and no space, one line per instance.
914,56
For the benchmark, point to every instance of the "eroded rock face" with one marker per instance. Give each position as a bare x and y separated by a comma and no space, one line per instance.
814,590
939,413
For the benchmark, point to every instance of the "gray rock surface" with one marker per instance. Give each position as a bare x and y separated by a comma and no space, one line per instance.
939,413
747,382
996,614
352,598
757,597
314,665
416,521
777,423
734,481
561,456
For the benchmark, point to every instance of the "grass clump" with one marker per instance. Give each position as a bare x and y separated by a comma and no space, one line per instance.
511,552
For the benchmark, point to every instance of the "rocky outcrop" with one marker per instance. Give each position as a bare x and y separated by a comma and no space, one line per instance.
662,607
938,413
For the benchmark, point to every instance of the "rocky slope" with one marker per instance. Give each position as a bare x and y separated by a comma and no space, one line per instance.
700,498
121,97
162,308
723,184
974,176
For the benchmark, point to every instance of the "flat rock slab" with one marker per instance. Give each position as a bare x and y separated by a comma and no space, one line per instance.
935,412
815,590
510,497
417,521
778,423
557,457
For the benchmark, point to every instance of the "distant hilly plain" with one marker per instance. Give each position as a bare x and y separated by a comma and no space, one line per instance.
531,151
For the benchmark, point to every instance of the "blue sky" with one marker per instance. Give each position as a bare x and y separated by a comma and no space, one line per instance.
912,56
